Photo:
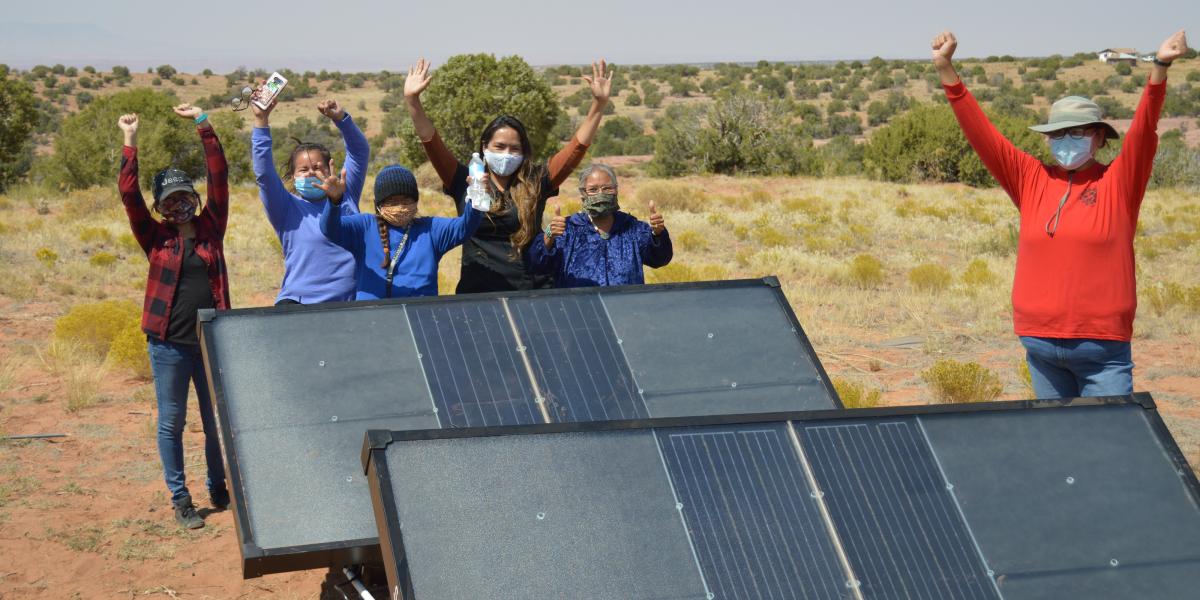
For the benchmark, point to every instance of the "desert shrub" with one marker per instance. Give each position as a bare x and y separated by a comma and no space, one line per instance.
926,144
977,273
621,136
88,146
929,277
128,243
18,116
95,235
961,382
680,271
1175,164
690,240
856,395
672,196
102,259
739,133
46,256
128,351
1166,295
94,326
866,271
468,91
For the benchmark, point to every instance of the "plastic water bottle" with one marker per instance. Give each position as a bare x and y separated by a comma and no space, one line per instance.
477,193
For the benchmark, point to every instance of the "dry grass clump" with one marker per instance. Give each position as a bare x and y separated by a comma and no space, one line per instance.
671,196
977,274
866,271
856,395
1166,295
961,382
930,277
102,259
95,235
93,326
108,330
46,256
689,241
680,272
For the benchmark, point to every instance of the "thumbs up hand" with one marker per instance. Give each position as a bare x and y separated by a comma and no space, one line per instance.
558,225
657,224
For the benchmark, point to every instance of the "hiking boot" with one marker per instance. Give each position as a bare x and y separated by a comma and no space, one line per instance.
186,515
219,498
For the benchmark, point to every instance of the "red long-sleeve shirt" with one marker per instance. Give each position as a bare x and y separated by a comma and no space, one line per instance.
1078,283
163,243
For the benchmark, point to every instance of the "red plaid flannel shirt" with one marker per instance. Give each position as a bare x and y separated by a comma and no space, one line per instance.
164,246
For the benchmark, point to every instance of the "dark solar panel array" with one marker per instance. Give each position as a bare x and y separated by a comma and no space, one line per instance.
306,381
755,525
576,359
473,365
901,529
854,507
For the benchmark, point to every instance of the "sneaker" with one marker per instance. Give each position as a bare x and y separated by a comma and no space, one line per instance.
186,515
219,498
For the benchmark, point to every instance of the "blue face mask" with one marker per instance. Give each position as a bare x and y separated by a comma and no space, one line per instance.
1071,153
307,188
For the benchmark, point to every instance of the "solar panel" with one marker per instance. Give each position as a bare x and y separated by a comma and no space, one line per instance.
714,351
846,504
473,365
895,515
576,357
295,387
749,510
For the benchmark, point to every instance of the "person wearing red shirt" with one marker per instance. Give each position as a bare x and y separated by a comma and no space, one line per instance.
1074,294
187,273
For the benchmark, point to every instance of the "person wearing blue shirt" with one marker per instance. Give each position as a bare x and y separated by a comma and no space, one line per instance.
315,270
600,245
396,253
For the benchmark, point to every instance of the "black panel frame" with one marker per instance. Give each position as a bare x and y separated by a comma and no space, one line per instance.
258,561
376,441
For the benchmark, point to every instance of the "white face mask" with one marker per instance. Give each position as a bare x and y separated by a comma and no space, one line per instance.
502,163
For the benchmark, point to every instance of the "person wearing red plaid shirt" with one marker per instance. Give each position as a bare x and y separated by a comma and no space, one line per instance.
187,273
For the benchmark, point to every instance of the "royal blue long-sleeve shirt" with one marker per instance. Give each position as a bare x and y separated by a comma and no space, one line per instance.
416,272
581,258
315,269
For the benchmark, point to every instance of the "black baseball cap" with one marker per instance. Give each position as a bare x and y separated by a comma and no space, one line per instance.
169,181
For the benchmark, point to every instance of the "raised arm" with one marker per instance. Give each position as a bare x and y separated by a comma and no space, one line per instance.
140,221
275,198
217,206
337,229
544,256
450,232
1003,159
655,241
358,151
439,155
1136,159
560,165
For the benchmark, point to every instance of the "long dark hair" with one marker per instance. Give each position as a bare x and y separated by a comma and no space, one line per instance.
525,188
289,168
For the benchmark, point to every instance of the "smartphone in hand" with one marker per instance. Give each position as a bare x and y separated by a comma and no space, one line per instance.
269,90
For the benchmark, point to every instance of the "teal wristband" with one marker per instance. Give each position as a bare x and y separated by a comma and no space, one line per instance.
202,118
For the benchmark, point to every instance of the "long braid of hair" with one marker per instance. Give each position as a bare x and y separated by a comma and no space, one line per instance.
383,239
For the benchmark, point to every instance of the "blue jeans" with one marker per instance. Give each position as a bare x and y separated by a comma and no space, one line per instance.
174,366
1073,368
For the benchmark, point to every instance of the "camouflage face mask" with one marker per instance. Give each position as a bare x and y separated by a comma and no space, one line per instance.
598,205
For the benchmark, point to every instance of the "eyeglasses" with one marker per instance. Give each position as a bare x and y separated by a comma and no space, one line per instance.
608,189
1076,133
242,102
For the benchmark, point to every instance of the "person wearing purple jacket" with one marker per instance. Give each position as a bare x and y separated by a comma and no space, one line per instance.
315,269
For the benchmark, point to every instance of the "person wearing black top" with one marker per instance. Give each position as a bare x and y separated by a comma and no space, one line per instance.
494,258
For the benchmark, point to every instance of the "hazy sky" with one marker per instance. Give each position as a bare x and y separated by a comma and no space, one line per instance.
356,35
